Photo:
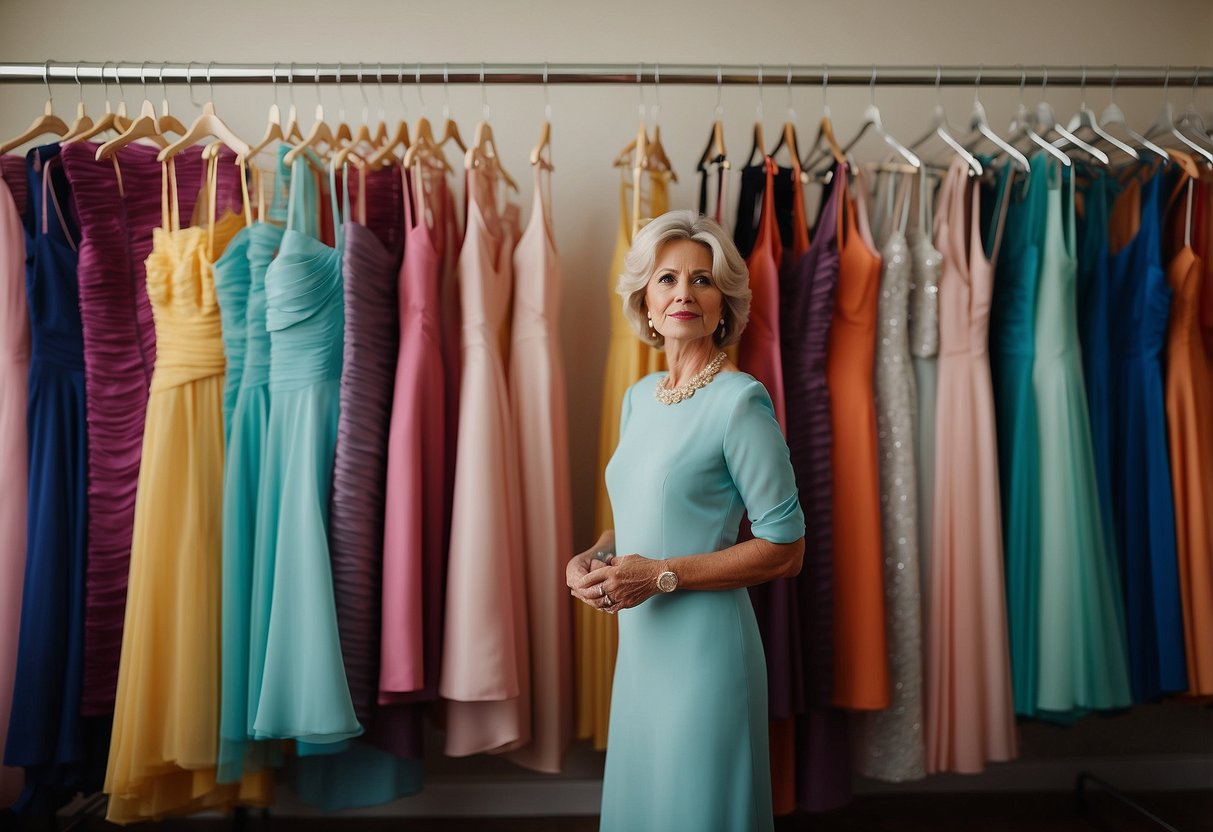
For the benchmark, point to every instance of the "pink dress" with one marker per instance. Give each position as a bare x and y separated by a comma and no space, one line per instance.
537,396
14,376
413,533
969,717
485,677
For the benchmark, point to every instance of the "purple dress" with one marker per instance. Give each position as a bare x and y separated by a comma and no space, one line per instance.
117,212
807,307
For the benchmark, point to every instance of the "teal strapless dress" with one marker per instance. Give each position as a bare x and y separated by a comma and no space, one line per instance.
1012,355
1082,646
688,747
297,684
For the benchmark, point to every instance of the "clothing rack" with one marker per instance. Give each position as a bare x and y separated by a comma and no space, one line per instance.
851,75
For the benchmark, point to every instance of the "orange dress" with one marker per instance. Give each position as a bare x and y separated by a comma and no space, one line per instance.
861,671
1189,400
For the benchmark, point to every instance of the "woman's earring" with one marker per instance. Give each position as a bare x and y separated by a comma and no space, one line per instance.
722,329
652,330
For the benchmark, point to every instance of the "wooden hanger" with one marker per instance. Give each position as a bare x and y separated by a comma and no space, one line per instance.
321,134
83,122
655,157
146,126
386,153
425,148
47,123
169,123
207,124
715,148
484,151
628,158
544,143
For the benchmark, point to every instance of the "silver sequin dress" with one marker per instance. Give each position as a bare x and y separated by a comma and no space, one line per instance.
889,743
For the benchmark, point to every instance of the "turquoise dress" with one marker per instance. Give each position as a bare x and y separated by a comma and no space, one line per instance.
242,473
1082,646
1012,355
297,684
688,746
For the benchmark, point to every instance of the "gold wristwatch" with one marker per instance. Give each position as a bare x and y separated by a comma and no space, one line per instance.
667,581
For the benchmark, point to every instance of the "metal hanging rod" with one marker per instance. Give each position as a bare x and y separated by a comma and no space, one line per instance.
196,72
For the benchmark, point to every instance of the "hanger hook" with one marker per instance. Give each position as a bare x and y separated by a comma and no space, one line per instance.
761,110
319,100
80,87
446,92
872,87
189,81
484,94
340,94
290,82
1023,80
1166,85
1195,82
977,85
417,80
547,97
46,79
1115,78
656,92
825,89
143,77
105,85
791,109
210,88
1044,81
163,88
1082,90
719,88
366,102
404,109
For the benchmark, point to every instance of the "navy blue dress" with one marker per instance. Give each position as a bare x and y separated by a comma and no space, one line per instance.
1143,505
47,735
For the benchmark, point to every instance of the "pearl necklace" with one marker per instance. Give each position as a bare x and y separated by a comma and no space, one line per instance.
674,395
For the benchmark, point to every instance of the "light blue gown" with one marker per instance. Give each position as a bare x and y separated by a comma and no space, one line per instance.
240,284
688,747
297,684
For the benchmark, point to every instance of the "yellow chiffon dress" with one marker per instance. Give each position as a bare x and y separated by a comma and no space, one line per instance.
166,718
628,360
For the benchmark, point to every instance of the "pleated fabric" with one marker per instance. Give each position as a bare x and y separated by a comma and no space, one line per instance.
596,636
164,745
540,420
14,380
807,295
117,201
61,751
969,717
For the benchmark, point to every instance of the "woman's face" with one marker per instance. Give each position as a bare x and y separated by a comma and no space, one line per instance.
681,297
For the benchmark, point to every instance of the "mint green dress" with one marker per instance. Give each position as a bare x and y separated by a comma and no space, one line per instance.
1083,651
687,747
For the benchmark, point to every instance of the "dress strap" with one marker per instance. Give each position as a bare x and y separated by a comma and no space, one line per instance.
905,190
170,212
1002,200
212,202
339,218
49,195
296,212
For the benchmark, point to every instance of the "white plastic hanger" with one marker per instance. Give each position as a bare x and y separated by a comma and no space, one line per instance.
939,128
1164,125
872,121
1084,120
1113,115
979,128
1023,126
1046,123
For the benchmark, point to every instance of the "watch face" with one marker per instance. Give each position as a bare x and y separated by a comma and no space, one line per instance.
667,582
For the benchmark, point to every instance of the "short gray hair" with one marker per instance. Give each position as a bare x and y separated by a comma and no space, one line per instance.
729,272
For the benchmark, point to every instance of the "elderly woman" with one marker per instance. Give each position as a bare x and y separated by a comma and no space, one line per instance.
698,446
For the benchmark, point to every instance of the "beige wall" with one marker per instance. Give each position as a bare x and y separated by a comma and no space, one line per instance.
590,125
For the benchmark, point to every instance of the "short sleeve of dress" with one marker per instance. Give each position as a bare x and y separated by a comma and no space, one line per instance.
761,467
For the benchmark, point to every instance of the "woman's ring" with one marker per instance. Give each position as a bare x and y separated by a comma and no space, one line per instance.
609,602
602,590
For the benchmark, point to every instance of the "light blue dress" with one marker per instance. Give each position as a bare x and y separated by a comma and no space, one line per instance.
688,747
297,683
244,272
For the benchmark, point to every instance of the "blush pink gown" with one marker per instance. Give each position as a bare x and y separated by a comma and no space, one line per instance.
969,717
539,410
485,677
